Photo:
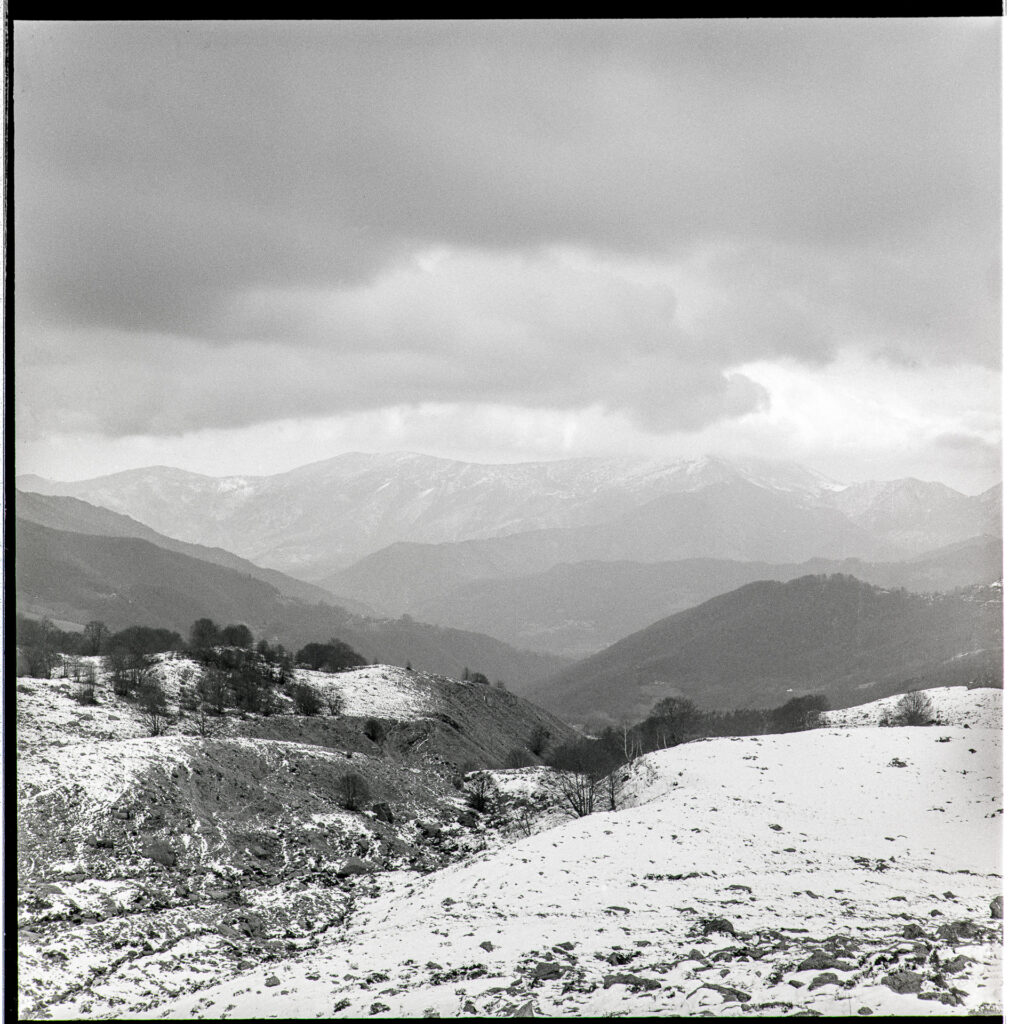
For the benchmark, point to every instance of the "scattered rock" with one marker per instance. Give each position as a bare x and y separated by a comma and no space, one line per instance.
717,924
524,1010
904,982
777,828
383,812
379,1008
617,959
820,961
160,851
547,971
272,981
957,964
828,978
487,945
729,992
865,1011
357,866
914,931
635,982
996,908
954,931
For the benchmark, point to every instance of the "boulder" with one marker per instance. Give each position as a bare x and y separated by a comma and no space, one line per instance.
717,924
547,971
160,851
996,908
828,978
904,982
634,981
357,866
820,961
383,812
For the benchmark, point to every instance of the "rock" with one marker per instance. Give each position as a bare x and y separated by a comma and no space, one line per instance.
525,1010
379,1008
357,866
567,946
468,819
718,924
820,961
957,964
865,1011
828,978
904,982
430,830
695,954
776,828
547,971
272,981
957,930
634,981
487,945
160,851
914,931
617,959
383,812
795,983
729,992
996,908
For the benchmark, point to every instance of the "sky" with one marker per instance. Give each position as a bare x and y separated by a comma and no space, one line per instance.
242,247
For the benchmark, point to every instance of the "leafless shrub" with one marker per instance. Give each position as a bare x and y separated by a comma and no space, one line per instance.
353,791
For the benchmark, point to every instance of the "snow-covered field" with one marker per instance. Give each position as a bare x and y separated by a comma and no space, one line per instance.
955,706
839,871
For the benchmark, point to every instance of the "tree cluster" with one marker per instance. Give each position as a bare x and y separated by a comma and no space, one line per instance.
333,656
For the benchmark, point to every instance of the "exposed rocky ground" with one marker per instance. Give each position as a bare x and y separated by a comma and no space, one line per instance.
841,871
149,864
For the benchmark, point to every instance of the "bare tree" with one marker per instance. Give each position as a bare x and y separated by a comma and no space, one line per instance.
580,771
353,791
914,708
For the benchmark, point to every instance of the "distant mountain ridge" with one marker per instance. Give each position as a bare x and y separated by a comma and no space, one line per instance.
767,641
576,609
76,516
318,520
321,517
735,520
122,581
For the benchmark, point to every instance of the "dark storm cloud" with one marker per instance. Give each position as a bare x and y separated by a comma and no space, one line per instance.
258,182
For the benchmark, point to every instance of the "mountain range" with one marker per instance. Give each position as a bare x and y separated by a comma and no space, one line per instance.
122,581
318,520
576,609
763,643
511,570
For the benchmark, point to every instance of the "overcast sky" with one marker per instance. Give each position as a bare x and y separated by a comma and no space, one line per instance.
243,247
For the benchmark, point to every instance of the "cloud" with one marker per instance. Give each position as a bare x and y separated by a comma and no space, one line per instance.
225,225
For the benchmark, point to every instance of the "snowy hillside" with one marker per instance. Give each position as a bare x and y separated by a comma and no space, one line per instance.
190,856
736,880
955,706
